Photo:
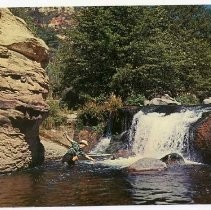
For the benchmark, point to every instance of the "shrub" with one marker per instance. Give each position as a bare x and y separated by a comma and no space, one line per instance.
135,99
112,103
94,113
91,113
187,99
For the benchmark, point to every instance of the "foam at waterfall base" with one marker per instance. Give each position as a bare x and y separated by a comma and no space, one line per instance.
120,162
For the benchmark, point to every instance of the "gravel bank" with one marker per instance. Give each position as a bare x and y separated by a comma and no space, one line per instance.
53,150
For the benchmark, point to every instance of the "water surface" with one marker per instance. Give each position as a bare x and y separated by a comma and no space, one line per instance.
87,185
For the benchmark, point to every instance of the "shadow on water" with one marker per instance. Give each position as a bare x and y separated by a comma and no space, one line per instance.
86,185
186,184
55,185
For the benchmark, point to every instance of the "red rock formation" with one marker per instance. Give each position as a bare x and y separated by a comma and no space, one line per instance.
23,89
202,138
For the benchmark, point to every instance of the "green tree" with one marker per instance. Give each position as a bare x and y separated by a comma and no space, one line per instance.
137,50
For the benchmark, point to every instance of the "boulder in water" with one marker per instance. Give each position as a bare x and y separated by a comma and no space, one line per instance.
147,164
173,159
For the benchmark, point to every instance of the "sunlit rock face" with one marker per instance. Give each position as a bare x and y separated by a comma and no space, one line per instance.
23,90
163,100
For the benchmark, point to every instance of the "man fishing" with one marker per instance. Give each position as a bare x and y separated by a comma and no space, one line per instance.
74,151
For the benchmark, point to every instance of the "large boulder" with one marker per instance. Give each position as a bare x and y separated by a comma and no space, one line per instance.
147,164
23,90
201,132
173,159
163,100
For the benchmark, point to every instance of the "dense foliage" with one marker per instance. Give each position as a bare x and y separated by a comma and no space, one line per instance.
136,51
96,113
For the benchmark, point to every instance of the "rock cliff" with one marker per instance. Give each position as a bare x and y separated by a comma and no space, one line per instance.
23,90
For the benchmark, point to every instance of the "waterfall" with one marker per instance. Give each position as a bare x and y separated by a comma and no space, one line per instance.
104,141
157,134
101,147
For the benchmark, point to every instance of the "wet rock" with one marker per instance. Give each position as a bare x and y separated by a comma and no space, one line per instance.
173,159
119,145
23,90
121,119
147,164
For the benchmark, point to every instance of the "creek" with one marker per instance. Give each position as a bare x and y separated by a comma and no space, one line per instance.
151,134
87,185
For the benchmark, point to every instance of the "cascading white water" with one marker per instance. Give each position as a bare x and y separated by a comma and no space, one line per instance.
102,145
156,134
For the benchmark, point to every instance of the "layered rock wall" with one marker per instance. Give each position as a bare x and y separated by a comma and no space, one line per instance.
23,90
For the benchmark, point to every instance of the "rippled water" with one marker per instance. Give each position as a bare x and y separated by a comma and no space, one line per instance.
85,184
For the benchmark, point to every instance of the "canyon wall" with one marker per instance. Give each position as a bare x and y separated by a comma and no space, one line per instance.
23,90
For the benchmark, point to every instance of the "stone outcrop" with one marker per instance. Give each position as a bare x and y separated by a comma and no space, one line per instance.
23,90
201,132
163,100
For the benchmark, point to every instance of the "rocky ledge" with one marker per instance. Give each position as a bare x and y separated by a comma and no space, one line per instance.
23,90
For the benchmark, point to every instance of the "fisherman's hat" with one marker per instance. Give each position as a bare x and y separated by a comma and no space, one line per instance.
84,142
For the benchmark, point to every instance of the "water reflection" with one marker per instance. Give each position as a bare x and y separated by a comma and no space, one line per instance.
160,188
180,185
63,188
201,184
86,185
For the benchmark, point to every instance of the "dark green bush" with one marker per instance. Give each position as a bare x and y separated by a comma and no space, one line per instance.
135,99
